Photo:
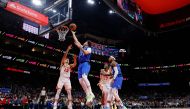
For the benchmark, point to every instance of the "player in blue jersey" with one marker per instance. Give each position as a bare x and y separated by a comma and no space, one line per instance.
84,67
116,82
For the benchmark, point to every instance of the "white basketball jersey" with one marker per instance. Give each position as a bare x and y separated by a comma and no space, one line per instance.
65,71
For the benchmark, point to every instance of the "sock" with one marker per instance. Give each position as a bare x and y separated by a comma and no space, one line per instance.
87,82
55,103
82,83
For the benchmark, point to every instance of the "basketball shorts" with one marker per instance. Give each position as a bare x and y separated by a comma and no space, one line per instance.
117,83
84,68
106,87
63,81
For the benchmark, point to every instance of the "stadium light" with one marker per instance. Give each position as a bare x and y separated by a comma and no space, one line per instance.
111,12
91,2
33,49
54,11
37,2
122,51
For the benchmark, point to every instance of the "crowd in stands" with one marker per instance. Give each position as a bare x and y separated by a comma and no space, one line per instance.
26,97
158,100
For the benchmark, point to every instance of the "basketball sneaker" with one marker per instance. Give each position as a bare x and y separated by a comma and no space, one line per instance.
122,107
88,98
54,106
92,96
70,106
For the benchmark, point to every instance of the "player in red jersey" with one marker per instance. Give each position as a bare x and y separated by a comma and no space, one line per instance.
64,78
105,85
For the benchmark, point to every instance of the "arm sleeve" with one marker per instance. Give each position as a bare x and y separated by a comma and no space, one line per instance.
116,72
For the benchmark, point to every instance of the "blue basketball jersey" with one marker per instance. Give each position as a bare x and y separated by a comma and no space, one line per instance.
82,57
119,70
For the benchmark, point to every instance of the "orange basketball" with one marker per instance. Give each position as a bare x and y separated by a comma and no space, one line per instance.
72,26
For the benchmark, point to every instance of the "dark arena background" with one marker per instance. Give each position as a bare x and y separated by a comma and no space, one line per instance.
149,39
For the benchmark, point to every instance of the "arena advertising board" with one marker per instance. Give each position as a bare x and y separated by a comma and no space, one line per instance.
148,15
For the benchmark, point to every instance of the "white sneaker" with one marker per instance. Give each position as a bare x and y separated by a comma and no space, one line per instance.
123,107
70,106
88,98
55,106
93,96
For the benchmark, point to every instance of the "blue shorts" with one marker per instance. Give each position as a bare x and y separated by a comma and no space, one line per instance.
117,83
84,68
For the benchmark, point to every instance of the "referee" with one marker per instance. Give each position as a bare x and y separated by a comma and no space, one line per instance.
42,97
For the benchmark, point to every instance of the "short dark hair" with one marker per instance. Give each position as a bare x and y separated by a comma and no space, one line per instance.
89,43
106,65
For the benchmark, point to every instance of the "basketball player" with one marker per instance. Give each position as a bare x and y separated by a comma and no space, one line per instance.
62,32
105,85
64,78
84,67
117,81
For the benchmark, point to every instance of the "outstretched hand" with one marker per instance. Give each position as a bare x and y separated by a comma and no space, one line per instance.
69,47
73,32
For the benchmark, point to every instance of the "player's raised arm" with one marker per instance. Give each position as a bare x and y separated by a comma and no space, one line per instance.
75,62
85,51
100,81
79,45
66,53
113,64
74,36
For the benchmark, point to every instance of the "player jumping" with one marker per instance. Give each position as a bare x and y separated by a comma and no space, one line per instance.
105,85
84,67
64,78
116,81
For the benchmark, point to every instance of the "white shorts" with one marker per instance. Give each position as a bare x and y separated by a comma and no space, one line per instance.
106,88
63,81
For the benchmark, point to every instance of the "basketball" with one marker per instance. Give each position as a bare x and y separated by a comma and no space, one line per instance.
72,26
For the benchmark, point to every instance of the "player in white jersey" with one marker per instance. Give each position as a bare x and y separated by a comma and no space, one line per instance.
64,78
105,85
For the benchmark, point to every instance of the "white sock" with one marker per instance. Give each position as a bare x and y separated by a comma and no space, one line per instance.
55,103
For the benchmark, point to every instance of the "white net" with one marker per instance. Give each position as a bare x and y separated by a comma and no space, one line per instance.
62,32
59,12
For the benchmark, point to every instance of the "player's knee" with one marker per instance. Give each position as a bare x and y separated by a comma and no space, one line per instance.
79,77
68,91
68,87
84,76
58,91
114,91
80,80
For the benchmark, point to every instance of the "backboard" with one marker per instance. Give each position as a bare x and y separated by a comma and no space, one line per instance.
59,13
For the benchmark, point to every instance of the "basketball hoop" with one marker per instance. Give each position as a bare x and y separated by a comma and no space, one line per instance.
62,32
